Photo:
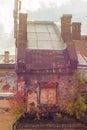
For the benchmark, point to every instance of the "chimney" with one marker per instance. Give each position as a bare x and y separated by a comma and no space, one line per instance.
66,27
76,30
6,56
22,36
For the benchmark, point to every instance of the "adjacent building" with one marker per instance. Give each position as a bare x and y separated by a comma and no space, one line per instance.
8,78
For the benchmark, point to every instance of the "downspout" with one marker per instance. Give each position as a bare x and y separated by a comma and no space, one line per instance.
13,125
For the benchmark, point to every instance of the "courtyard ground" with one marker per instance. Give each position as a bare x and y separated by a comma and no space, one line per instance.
5,117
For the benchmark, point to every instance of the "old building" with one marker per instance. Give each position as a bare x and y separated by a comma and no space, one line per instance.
47,60
44,54
8,77
71,33
8,84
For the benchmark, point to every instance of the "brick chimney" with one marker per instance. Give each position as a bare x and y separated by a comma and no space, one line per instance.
66,27
76,30
6,56
22,36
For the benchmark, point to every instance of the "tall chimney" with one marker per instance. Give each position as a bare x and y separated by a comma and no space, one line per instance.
22,36
76,30
6,56
66,27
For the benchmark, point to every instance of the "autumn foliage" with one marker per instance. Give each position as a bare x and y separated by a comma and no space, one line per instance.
73,103
17,105
76,103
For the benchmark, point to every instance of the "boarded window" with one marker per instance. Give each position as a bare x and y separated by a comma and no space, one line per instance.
32,101
48,95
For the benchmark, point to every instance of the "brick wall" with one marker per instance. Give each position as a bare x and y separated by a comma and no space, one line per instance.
51,126
76,31
66,27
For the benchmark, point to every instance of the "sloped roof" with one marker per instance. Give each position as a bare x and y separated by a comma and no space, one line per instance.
81,50
44,35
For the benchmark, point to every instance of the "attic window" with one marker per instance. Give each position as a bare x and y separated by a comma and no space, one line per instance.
48,95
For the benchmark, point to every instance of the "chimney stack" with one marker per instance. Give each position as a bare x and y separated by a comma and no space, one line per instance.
22,36
6,56
66,27
76,30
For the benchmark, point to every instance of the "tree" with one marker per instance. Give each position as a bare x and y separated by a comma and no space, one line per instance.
76,102
17,105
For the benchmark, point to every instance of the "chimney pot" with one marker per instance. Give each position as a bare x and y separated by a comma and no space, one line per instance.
6,56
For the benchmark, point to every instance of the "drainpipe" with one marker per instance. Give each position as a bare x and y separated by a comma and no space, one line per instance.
13,125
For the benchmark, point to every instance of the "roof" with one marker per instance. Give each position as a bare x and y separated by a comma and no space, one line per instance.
7,65
45,47
44,35
11,59
81,50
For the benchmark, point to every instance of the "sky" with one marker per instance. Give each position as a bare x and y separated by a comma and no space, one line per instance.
49,10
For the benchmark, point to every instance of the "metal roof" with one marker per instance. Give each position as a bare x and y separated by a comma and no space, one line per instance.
82,59
81,50
44,35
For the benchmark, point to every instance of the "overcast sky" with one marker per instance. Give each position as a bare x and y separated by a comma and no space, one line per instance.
39,10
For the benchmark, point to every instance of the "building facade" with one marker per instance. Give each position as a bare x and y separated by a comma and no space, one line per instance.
8,78
44,55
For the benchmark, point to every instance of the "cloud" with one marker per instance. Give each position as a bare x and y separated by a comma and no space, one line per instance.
6,24
56,3
84,0
39,9
3,2
34,5
6,14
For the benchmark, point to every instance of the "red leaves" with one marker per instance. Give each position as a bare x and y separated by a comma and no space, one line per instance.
17,104
53,82
6,87
1,80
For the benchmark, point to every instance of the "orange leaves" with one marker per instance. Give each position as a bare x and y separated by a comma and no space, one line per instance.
17,105
1,80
